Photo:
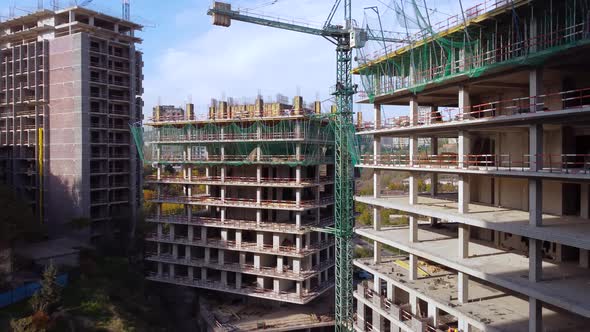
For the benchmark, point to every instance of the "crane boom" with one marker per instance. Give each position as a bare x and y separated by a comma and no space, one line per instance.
223,16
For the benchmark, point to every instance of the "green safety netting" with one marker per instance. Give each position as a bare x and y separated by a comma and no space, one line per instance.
434,55
277,141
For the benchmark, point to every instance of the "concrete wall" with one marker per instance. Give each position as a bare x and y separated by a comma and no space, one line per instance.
69,165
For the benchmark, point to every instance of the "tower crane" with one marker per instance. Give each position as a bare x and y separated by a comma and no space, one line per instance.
345,38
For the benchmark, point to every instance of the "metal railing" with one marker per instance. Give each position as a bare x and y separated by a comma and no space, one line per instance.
560,163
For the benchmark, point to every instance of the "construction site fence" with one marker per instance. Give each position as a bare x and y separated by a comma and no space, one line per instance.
568,163
569,99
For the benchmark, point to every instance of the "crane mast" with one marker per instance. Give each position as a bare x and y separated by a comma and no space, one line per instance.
345,38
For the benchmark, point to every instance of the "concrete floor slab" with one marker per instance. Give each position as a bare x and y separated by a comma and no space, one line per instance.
568,230
564,285
488,309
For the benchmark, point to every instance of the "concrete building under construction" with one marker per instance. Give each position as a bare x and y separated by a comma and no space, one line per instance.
238,198
505,87
70,82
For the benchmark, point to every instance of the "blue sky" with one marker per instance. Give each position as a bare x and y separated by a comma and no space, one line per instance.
186,57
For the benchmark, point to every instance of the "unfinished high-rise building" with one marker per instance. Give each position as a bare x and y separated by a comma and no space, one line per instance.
495,148
70,82
239,199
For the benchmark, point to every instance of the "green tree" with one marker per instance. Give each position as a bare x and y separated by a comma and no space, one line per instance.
17,219
48,297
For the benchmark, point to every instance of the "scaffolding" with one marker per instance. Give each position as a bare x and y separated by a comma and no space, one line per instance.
470,43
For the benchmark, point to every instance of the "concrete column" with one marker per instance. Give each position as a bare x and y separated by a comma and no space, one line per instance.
433,312
535,202
172,270
221,256
257,261
224,278
297,219
298,288
584,258
222,193
204,234
390,291
191,233
298,174
276,241
413,110
187,253
191,273
258,217
464,100
413,189
222,173
159,249
376,149
360,310
260,282
413,229
378,322
463,149
413,150
535,260
242,258
298,242
207,255
413,272
276,283
584,201
296,265
159,230
307,240
376,183
203,273
376,218
298,197
464,234
175,251
377,246
463,288
258,174
536,147
536,88
172,233
160,269
238,280
377,115
259,239
238,238
413,302
464,194
535,315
